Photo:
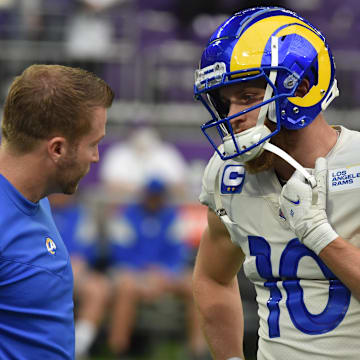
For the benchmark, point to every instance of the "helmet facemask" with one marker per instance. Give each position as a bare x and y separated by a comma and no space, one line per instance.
248,144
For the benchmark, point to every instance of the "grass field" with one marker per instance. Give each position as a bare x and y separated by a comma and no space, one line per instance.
164,350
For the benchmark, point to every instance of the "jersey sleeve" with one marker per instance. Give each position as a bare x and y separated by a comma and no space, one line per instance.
206,196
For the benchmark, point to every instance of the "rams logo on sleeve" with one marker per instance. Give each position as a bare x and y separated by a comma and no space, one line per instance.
50,246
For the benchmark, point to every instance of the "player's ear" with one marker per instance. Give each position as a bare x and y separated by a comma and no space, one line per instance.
57,147
303,88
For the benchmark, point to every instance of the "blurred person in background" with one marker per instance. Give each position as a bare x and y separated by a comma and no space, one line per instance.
127,166
149,260
54,118
90,24
20,19
77,225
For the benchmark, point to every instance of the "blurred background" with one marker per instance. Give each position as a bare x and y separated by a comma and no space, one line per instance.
147,50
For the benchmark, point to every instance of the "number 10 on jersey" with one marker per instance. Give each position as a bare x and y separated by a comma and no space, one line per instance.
303,320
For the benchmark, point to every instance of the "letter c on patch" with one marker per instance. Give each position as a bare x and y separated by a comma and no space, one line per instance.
232,179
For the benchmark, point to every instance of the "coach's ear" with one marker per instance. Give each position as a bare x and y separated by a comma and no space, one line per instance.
57,148
303,88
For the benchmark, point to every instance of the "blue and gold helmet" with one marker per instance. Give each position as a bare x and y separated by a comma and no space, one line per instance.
279,46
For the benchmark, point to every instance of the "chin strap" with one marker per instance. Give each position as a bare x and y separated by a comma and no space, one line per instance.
279,152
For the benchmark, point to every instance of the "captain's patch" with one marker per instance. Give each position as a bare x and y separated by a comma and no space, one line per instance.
232,179
344,179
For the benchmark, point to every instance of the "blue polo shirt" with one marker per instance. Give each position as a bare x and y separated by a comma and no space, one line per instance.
36,282
151,239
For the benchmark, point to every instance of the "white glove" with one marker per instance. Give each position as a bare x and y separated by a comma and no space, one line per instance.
304,208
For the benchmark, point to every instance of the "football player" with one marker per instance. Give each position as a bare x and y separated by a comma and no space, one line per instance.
265,77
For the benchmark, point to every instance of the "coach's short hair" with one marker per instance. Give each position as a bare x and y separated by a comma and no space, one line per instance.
52,100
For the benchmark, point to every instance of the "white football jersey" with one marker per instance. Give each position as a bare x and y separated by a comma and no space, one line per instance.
305,311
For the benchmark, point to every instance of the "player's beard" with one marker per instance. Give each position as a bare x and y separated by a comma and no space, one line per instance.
262,163
267,159
69,174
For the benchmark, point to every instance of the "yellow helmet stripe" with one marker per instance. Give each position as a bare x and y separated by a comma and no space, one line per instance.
324,76
248,51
